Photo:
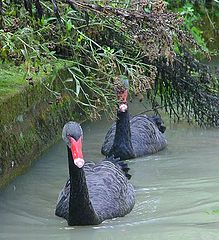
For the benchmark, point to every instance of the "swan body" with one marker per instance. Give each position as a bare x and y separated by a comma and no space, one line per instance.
132,137
146,136
94,192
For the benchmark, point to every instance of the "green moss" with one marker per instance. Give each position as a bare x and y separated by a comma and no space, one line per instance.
23,142
15,78
11,79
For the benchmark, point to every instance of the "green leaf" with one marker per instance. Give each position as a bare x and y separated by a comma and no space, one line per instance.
77,82
78,87
147,10
69,26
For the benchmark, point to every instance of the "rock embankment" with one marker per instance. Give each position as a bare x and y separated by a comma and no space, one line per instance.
30,122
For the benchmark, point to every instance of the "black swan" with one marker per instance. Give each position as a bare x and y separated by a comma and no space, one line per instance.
94,192
132,137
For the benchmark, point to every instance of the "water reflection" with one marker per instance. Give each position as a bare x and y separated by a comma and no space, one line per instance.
176,190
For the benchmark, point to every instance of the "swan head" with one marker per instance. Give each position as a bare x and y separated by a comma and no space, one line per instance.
72,135
122,86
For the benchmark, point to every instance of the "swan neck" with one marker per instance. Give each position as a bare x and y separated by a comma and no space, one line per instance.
122,145
81,211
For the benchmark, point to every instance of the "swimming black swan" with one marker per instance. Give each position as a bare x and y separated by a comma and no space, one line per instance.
132,137
94,192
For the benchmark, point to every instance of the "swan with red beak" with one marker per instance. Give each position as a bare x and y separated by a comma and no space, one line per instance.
132,137
94,192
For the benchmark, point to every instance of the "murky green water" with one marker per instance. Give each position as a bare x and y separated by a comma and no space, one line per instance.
176,192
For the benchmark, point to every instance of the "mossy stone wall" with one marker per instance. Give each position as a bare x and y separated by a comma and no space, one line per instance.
29,124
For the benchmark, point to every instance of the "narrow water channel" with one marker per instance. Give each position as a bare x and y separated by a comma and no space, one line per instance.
177,192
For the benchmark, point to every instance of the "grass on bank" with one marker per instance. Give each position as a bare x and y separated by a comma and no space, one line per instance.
12,79
15,78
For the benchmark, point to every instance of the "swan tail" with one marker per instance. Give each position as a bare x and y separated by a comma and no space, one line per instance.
121,164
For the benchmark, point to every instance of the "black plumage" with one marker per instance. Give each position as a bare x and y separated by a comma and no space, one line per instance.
94,192
136,136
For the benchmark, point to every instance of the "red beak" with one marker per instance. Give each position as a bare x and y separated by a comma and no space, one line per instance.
76,149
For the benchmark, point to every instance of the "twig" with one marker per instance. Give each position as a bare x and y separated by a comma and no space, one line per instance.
212,24
28,6
1,14
39,12
56,9
1,6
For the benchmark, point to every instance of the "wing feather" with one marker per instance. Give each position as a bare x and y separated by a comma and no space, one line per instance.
109,191
145,136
